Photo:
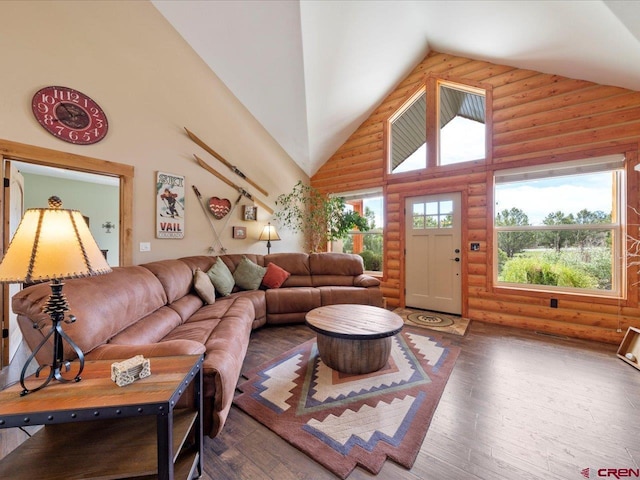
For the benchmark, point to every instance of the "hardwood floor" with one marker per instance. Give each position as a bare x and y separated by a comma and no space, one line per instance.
518,405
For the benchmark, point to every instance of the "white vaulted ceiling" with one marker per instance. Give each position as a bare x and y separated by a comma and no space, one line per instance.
312,71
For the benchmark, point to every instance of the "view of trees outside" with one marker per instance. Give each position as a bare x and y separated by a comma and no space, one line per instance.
371,249
560,248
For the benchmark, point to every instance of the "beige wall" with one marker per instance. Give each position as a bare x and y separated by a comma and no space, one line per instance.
150,84
96,201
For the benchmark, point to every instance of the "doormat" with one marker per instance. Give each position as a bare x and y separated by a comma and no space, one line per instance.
341,420
441,322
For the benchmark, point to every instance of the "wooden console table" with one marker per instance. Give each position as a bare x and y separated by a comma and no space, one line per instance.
95,429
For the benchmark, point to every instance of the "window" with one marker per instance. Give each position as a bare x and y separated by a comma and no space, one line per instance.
462,116
369,245
436,214
461,134
560,227
408,136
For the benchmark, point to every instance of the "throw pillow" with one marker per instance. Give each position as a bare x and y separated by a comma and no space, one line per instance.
248,275
203,287
275,276
221,278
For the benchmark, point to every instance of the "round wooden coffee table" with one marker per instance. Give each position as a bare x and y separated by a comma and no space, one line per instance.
354,339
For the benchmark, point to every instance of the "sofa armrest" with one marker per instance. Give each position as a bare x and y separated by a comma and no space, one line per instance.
161,349
365,281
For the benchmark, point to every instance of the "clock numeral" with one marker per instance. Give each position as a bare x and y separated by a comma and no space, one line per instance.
49,120
42,107
66,95
44,98
73,135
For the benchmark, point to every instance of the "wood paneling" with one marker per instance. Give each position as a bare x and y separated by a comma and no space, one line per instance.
535,118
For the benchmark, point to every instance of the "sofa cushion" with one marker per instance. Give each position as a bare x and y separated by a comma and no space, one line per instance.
292,300
275,276
174,275
363,296
248,275
335,268
203,287
104,305
297,264
149,329
221,277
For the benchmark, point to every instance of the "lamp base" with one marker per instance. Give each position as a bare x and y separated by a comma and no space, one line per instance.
56,307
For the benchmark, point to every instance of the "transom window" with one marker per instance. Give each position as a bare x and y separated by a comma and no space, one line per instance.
462,114
409,136
560,227
461,136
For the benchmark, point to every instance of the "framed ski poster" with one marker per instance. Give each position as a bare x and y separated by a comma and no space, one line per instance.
169,205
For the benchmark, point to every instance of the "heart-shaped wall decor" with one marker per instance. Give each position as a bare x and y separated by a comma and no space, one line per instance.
219,207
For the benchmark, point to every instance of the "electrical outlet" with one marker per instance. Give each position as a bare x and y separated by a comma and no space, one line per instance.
145,246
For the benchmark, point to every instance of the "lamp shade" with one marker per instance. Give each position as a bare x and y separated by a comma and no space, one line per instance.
269,233
52,243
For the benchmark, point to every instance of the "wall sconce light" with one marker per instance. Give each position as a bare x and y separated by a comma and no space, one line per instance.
108,226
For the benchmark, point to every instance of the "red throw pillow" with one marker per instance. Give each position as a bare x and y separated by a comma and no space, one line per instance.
275,276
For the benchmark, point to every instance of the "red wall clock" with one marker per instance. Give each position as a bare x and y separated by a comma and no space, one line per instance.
69,115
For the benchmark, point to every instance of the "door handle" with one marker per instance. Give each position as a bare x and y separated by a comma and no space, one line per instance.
457,259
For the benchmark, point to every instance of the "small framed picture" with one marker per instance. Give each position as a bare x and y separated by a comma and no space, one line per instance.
249,213
239,232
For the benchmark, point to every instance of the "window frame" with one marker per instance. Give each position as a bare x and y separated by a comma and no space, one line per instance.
616,164
467,89
359,196
430,86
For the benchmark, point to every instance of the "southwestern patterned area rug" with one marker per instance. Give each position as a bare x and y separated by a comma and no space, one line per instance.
342,421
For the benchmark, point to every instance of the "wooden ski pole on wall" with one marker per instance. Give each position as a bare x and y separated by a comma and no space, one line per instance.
233,168
207,214
240,190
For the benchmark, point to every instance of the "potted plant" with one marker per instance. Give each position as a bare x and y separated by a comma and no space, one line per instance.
321,218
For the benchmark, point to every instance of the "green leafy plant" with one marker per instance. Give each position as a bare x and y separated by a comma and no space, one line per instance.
319,217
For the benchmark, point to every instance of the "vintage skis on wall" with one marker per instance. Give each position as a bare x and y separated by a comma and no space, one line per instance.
233,168
240,190
207,214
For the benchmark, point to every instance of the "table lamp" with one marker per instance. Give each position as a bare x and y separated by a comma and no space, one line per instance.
52,244
269,233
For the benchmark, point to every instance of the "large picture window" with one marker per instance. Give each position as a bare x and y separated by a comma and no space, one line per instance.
560,227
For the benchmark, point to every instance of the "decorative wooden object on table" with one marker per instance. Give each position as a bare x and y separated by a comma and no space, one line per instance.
629,349
354,339
95,429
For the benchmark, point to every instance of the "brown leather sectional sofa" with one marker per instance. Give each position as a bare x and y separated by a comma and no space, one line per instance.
153,310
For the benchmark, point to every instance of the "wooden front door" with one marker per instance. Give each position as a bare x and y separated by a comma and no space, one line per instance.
433,253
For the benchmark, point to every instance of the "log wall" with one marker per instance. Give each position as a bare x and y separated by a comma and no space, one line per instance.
534,118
